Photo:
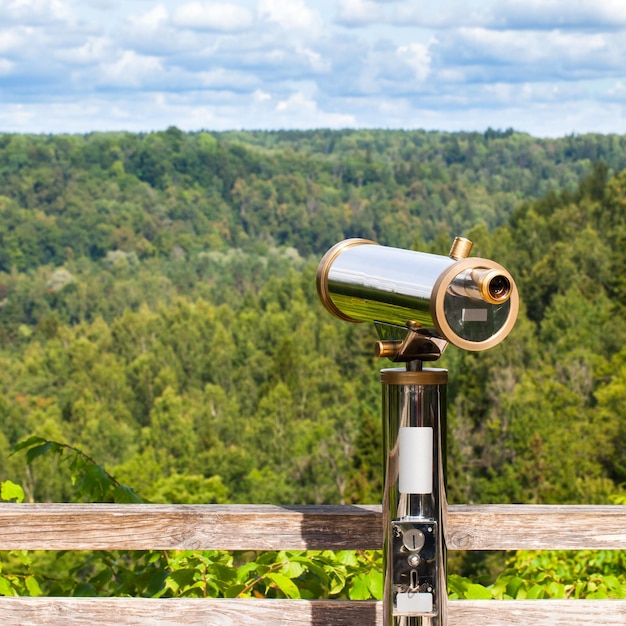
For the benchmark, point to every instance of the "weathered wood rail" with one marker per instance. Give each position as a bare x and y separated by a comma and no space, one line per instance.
250,527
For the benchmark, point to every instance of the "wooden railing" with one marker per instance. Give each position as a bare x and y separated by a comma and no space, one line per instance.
244,527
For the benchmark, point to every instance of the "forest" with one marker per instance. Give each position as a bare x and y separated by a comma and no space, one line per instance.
158,314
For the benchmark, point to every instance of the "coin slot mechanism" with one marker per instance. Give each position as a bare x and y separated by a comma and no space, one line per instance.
414,567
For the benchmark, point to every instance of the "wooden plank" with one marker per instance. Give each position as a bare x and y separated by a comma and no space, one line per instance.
536,527
188,527
536,612
267,527
187,611
223,612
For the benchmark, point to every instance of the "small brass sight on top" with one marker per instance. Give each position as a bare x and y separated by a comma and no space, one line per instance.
471,303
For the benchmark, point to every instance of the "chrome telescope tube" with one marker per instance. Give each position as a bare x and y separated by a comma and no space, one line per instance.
472,303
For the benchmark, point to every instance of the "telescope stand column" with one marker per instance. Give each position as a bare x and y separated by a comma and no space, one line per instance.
414,496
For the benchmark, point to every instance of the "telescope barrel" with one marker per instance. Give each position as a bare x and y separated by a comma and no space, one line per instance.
470,302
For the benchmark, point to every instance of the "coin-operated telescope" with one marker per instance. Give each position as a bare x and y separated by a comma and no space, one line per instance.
419,303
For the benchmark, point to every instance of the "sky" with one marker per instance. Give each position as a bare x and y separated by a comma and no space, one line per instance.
546,67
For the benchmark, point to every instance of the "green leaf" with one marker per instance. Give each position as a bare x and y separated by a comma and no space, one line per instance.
37,451
478,592
95,482
156,582
6,589
359,589
25,557
556,590
315,569
84,590
347,557
102,578
224,576
513,586
33,586
193,592
11,491
266,558
123,494
27,443
234,590
337,582
293,569
244,571
612,582
182,578
376,584
286,585
536,592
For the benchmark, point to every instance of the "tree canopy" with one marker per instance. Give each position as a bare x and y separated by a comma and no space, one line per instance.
158,310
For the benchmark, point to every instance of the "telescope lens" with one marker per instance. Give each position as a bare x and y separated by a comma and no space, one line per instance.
499,288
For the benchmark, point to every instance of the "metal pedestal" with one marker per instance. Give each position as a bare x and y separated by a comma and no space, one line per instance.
414,497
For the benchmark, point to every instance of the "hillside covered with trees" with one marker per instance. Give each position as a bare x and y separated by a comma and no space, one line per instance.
158,311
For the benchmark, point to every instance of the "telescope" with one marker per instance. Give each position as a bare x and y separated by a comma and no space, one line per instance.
419,303
471,303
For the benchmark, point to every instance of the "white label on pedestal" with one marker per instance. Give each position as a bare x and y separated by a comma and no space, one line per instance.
416,460
413,603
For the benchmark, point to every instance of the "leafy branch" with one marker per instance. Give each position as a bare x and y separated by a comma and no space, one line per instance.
90,479
249,586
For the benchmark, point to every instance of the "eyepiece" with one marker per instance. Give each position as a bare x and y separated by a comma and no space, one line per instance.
494,287
499,287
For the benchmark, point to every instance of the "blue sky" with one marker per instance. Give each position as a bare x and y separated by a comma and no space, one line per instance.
547,67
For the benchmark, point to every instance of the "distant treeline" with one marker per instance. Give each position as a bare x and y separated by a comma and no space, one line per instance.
172,193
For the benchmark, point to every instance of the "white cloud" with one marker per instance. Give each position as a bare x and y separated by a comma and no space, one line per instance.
514,14
224,79
539,119
512,94
299,111
358,12
94,50
11,40
212,16
34,12
479,54
541,14
152,33
617,92
6,67
151,20
261,96
447,14
382,68
314,59
130,70
417,56
291,15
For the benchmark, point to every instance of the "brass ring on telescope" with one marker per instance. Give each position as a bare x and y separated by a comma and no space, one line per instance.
440,289
321,279
427,376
